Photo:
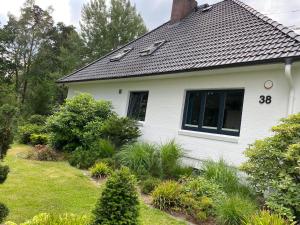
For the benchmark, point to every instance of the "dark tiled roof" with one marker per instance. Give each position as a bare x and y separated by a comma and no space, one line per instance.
231,33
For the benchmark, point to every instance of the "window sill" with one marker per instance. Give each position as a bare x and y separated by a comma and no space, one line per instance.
217,137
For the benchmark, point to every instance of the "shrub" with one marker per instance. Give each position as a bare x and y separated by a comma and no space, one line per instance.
67,125
141,158
4,170
233,210
3,212
118,204
167,195
265,218
111,162
171,154
26,131
226,177
148,185
7,115
120,130
64,219
85,157
37,119
100,170
43,153
39,139
273,167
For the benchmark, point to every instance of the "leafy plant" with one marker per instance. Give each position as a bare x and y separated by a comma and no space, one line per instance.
64,219
167,195
265,218
171,154
120,130
148,185
273,167
67,125
118,204
233,210
100,170
43,153
39,139
141,158
3,212
4,170
26,131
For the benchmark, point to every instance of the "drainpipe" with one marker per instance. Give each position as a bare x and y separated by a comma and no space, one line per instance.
289,77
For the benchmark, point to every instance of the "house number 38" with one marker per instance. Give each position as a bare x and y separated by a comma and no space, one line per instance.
263,99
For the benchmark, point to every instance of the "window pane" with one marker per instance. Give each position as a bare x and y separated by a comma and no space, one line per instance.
233,111
211,114
193,109
138,105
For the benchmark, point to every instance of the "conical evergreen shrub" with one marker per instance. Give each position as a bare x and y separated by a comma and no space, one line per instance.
118,204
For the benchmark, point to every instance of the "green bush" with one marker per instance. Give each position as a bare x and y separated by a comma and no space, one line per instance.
171,154
37,119
233,210
120,130
26,131
39,139
118,204
148,185
167,195
226,177
100,170
4,170
3,212
142,158
273,167
64,219
265,218
7,116
67,125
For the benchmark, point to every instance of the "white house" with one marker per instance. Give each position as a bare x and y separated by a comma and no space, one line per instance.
215,78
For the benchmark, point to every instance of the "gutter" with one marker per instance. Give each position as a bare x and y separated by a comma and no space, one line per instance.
289,77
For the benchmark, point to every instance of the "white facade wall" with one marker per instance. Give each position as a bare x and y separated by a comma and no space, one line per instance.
166,104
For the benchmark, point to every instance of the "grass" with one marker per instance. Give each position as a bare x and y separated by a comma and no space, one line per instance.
35,187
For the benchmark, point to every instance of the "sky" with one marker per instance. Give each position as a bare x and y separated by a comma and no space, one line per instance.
155,12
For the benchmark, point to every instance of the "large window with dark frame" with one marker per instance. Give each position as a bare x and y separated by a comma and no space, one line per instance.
214,111
138,105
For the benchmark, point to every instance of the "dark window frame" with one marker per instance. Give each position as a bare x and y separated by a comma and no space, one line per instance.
222,103
130,105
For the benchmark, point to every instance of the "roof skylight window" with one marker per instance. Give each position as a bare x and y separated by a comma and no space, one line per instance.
152,48
120,55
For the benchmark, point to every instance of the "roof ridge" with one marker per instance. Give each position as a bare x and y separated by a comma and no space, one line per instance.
268,20
110,53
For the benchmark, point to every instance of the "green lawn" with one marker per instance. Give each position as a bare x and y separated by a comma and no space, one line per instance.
34,187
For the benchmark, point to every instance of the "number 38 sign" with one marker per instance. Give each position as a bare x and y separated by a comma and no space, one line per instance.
265,99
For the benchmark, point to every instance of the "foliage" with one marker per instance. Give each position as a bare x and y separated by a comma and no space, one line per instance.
119,200
3,212
171,154
43,153
26,131
4,170
148,185
233,210
67,125
141,158
37,119
51,219
273,167
120,130
7,115
104,29
167,195
100,170
225,176
39,139
265,218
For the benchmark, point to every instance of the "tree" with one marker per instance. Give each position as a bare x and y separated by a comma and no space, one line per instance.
106,29
273,167
118,204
